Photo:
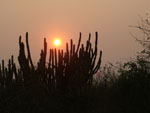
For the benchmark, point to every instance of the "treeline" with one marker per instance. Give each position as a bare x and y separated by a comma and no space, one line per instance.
65,84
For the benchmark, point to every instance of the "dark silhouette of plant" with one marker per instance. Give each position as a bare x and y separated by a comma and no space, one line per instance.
144,39
66,73
71,70
64,82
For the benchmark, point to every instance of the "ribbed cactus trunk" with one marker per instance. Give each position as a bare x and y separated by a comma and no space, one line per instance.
73,69
7,73
68,71
2,75
26,66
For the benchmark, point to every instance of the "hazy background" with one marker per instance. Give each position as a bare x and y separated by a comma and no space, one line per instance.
65,19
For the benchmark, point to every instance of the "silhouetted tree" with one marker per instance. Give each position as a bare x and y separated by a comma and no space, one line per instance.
144,39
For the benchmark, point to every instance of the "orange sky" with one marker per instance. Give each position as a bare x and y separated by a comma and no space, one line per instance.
65,19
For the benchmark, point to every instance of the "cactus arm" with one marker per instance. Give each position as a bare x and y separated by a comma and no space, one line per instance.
88,43
29,54
95,51
78,43
56,57
98,63
71,47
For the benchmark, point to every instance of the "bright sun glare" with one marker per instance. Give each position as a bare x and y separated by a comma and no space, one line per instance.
57,42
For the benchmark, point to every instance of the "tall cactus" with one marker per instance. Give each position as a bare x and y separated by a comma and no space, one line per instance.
28,50
23,61
69,70
74,68
26,64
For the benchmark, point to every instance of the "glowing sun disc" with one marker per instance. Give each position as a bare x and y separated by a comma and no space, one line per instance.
57,42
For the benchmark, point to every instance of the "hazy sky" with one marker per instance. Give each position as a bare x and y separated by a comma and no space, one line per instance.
65,19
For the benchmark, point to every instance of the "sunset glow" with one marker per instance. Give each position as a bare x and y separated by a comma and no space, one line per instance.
57,42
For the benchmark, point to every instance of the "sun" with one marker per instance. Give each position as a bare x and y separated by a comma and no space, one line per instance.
57,42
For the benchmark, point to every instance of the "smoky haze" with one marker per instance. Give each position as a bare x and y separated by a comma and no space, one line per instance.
65,19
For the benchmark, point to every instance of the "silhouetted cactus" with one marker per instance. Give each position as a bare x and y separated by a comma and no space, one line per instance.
26,64
29,55
3,75
71,70
26,89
